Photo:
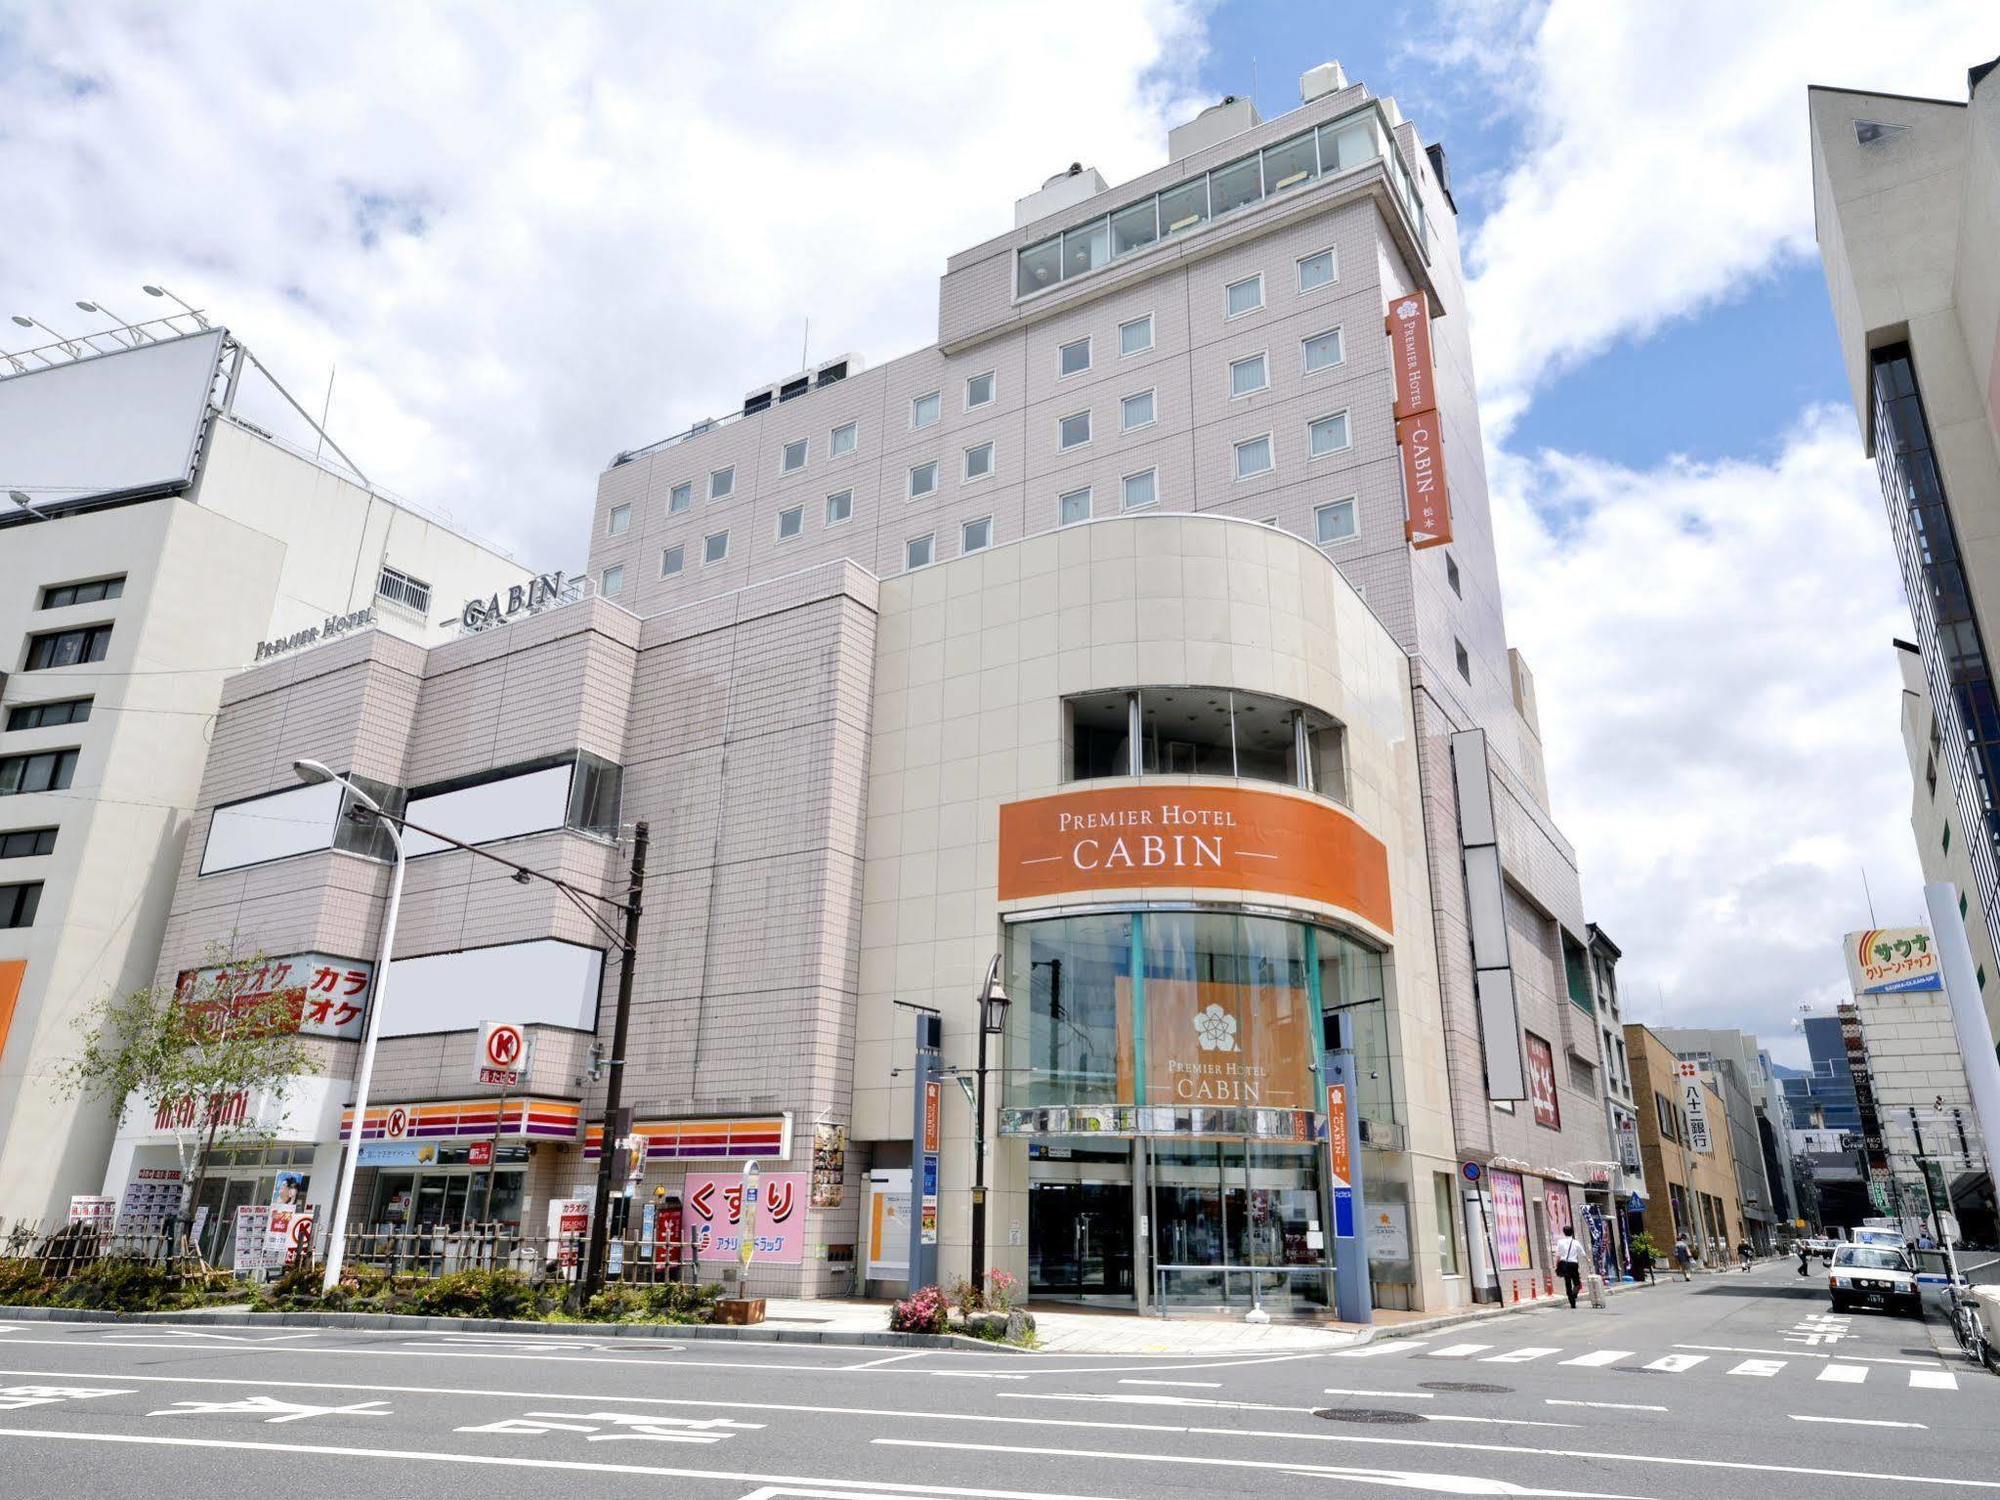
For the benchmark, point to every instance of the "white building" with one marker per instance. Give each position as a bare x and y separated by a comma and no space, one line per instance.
159,542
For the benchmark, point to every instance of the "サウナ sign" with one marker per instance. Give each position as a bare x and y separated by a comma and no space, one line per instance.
1892,961
1206,838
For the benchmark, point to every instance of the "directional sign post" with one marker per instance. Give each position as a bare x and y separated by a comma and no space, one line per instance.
1343,1147
925,1130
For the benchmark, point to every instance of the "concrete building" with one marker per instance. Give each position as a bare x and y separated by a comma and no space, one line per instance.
1906,196
1824,1134
1624,1174
160,542
1092,638
1731,1057
1695,1189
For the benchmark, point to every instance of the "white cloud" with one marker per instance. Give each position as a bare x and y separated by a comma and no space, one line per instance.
1665,165
532,236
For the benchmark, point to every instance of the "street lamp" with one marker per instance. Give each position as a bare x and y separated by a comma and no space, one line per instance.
312,773
22,500
993,1004
160,291
64,344
104,312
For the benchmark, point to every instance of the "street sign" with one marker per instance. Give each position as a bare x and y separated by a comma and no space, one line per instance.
479,1154
1694,1101
502,1046
1336,1134
933,1113
1470,1171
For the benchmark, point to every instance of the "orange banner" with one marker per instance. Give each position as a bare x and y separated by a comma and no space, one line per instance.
1409,324
1427,520
13,971
1206,838
1336,1136
1227,1045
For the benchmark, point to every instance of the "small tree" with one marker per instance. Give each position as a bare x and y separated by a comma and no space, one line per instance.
195,1054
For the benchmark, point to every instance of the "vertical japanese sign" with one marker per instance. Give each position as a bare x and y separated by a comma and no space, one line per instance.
1542,1082
1340,1166
927,1223
1694,1100
1427,498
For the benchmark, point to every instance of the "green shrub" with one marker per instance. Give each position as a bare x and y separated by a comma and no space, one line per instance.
471,1294
22,1283
118,1283
676,1302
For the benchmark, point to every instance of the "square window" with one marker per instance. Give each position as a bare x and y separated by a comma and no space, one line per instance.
918,550
1248,376
1074,507
925,410
1451,575
979,390
1244,296
1135,337
714,547
839,506
673,560
923,479
1135,411
680,498
1464,660
1334,523
1134,228
1074,358
1316,270
620,519
1253,456
1141,489
1326,435
977,535
791,522
1075,430
795,457
843,440
722,484
979,461
1323,350
613,581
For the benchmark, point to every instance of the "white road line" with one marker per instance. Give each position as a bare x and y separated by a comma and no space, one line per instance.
1933,1380
890,1359
1845,1374
974,1375
1599,1357
1859,1422
1673,1364
1764,1367
1380,1346
1666,1460
1206,1385
1867,1359
1457,1351
1607,1405
1339,1390
1519,1356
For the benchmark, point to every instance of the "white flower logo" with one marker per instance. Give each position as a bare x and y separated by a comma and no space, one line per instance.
1215,1030
1407,308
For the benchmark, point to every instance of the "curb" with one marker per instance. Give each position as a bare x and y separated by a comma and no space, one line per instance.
408,1323
1481,1313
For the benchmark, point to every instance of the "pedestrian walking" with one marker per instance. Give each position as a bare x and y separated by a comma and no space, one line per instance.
1684,1258
1805,1254
1569,1262
1743,1255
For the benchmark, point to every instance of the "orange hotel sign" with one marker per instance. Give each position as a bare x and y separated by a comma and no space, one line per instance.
1427,518
1187,837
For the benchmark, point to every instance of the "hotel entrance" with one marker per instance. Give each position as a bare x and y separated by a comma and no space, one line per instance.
1080,1242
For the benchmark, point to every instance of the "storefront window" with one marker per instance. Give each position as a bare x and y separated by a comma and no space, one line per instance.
1066,1043
1227,1012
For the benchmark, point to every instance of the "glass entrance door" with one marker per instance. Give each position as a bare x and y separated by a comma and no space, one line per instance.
1080,1240
1236,1225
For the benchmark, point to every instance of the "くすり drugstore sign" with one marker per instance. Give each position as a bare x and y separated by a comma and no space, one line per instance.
1205,838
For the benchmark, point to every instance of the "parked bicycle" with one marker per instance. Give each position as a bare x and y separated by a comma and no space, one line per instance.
1976,1334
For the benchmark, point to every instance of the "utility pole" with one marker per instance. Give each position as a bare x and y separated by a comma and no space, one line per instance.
593,1272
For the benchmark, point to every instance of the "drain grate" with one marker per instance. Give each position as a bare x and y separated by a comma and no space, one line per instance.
1368,1416
1468,1388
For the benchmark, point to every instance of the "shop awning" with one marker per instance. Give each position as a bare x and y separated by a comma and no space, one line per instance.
526,1118
707,1137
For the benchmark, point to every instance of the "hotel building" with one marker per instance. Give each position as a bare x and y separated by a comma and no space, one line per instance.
1116,637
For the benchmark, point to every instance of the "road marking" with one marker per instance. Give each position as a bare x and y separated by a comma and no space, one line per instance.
1599,1357
974,1375
890,1359
1673,1364
1380,1346
1337,1390
1870,1359
1519,1356
1607,1405
1207,1385
1668,1460
1457,1351
1859,1422
1933,1380
1845,1374
1764,1367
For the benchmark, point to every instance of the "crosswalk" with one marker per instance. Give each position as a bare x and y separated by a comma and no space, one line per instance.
1829,1371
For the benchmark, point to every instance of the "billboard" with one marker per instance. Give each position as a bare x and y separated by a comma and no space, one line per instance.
1694,1103
715,1216
116,424
1892,961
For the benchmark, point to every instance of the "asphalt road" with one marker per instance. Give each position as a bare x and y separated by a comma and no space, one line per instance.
1734,1385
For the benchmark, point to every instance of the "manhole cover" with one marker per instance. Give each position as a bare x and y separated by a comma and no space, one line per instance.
1468,1387
1365,1415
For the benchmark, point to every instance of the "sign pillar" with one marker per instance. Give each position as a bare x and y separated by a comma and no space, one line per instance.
1352,1302
925,1129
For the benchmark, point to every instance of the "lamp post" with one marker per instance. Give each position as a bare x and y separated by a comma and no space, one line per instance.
64,344
22,500
312,773
160,291
993,1004
137,337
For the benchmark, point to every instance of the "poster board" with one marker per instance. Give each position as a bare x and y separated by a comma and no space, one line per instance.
886,1225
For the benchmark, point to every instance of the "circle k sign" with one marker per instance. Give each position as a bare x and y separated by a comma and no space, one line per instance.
503,1045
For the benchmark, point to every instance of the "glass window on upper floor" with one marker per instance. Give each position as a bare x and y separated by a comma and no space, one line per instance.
62,595
1253,457
1290,164
1244,296
979,390
68,648
978,461
791,522
1073,358
839,506
1135,411
619,521
1322,350
1247,376
925,410
1334,522
1184,208
38,771
1328,434
923,479
843,440
976,536
614,581
26,843
794,457
49,714
1135,337
714,547
1235,187
1316,270
1073,507
673,560
1201,731
919,550
18,903
722,483
1073,431
1135,228
1086,247
680,497
1141,489
403,588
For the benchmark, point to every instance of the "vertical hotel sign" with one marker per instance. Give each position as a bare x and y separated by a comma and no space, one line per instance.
1427,501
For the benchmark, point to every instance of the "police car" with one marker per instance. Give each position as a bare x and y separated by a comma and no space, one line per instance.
1874,1276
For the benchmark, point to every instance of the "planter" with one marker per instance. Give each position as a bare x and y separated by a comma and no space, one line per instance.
740,1311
